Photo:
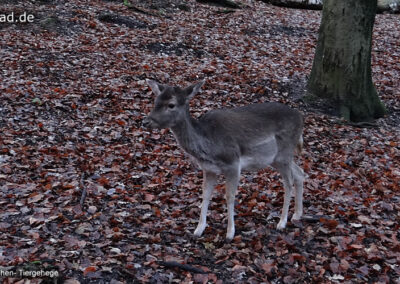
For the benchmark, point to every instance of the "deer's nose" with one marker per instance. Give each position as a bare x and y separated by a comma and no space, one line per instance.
146,122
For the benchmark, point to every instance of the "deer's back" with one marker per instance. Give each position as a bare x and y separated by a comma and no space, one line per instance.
252,121
251,134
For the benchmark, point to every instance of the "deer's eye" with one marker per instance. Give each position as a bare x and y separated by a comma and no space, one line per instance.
171,105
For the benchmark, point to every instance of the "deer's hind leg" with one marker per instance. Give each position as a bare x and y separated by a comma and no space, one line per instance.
287,179
232,182
298,176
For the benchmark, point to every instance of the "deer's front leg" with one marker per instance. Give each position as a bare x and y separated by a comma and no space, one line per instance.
209,181
232,181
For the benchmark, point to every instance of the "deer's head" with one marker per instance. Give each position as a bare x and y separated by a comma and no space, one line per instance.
171,104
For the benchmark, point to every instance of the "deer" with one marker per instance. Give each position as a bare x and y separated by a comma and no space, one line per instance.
231,140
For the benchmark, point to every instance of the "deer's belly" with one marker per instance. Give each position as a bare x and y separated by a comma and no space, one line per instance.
259,156
206,166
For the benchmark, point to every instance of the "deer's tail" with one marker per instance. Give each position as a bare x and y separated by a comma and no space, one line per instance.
299,146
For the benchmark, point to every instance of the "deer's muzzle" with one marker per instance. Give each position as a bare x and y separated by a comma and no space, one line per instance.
150,122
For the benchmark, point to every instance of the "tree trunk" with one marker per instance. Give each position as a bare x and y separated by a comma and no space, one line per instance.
341,71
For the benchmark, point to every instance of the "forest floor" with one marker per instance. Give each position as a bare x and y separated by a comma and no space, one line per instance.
72,99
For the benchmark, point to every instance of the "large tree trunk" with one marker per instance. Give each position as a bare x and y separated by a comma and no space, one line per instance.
341,71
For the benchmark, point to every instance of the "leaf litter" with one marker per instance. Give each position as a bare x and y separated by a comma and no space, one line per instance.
73,95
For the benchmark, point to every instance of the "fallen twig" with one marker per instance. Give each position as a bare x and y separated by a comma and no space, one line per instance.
139,10
363,124
224,3
84,192
186,267
315,218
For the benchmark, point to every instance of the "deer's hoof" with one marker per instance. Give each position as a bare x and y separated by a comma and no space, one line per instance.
199,231
296,217
281,225
228,240
229,235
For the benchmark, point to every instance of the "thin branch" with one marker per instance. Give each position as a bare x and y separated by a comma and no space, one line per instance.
186,267
84,191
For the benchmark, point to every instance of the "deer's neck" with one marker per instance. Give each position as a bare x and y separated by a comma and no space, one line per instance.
190,138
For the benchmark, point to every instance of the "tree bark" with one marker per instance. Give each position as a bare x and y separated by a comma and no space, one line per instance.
341,71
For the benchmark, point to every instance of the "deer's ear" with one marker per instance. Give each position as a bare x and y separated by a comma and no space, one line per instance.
156,87
193,89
